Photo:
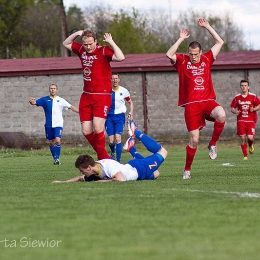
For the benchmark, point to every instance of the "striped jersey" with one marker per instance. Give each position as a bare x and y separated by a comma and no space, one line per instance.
119,97
53,110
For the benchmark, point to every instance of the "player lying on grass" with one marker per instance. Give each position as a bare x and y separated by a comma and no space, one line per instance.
139,168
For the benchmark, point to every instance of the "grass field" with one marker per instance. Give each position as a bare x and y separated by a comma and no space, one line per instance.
213,216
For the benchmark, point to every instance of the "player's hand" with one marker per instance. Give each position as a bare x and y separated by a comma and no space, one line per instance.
202,22
184,33
32,101
130,117
108,37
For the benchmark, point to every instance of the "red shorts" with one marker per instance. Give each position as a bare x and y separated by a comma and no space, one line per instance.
197,113
245,128
94,105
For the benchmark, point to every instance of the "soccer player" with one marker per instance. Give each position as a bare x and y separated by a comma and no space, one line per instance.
196,92
53,106
95,100
115,121
244,106
135,169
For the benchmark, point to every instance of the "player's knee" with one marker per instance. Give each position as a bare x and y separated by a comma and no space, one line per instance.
221,115
118,139
163,152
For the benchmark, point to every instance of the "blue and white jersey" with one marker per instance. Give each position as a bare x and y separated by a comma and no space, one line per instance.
53,110
110,167
118,101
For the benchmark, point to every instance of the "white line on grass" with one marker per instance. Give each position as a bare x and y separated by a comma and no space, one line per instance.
239,194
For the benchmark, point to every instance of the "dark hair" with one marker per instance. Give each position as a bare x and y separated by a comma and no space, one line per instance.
89,33
115,73
244,81
84,161
194,45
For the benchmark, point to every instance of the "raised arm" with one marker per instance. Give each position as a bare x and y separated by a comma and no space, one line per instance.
218,41
171,53
68,42
118,54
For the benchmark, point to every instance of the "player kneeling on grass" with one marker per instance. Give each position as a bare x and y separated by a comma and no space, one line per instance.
139,168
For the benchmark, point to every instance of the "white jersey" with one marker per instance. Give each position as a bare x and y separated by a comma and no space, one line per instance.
110,167
118,101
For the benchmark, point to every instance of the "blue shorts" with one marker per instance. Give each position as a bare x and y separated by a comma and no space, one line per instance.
115,124
146,166
52,133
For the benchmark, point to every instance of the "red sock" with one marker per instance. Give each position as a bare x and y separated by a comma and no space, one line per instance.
91,139
244,149
101,146
190,154
218,128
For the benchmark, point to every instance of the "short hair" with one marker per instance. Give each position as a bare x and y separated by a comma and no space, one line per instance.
52,84
244,81
89,33
84,161
194,45
115,73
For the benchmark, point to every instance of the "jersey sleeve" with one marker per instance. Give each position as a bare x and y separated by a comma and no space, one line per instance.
108,52
65,103
233,103
75,47
127,94
179,60
257,101
39,102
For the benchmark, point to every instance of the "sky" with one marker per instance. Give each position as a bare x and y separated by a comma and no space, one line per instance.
245,14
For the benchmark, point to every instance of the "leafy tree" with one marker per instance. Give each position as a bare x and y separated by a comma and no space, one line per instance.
43,29
11,13
99,19
75,19
224,25
132,33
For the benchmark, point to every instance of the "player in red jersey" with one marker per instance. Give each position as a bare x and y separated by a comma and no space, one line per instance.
196,91
95,100
244,106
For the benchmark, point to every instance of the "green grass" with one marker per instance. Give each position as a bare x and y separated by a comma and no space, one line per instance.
213,216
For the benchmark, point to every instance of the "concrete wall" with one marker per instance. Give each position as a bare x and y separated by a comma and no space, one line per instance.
164,117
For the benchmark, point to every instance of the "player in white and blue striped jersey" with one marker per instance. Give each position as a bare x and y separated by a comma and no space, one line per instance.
53,106
115,121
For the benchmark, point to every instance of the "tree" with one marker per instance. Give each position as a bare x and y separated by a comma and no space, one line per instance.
43,31
224,25
11,13
75,19
132,33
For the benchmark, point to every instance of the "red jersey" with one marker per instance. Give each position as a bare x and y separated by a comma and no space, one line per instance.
195,83
96,67
243,104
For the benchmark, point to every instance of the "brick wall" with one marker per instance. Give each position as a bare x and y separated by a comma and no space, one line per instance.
164,117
